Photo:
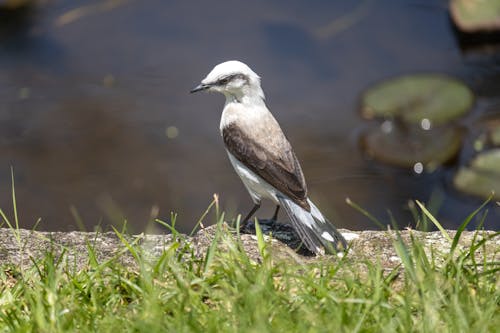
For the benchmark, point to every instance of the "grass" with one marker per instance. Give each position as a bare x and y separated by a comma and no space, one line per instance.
225,291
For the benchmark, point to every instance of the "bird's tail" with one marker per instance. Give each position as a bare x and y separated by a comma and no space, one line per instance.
315,231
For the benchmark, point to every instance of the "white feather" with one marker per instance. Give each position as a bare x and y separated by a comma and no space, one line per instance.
256,186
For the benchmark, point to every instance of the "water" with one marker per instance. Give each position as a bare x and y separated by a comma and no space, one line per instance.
97,122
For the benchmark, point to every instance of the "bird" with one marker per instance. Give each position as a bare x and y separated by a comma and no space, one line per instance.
263,157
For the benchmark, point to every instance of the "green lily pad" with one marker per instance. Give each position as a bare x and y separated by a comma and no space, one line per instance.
407,147
489,133
14,4
488,161
476,15
435,97
495,136
493,130
482,177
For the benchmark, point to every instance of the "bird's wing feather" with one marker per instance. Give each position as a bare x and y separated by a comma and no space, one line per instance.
279,166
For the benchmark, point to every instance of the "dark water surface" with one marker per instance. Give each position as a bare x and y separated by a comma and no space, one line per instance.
96,118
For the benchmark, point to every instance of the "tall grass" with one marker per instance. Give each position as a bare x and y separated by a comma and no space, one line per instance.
226,291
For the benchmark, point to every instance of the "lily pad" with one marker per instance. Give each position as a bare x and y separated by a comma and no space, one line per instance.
407,147
495,136
14,4
493,128
473,16
489,133
488,161
482,177
436,98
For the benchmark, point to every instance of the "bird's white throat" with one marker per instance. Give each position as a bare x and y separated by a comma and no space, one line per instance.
249,95
249,112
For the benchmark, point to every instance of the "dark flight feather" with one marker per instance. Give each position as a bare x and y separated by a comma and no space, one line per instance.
279,167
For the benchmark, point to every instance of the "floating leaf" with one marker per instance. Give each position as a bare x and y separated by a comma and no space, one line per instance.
495,136
435,98
14,4
477,183
488,133
493,128
407,147
482,177
476,15
488,161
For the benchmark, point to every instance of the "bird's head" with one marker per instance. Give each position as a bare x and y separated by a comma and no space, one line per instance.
234,79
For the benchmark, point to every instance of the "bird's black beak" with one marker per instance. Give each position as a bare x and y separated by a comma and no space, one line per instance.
200,87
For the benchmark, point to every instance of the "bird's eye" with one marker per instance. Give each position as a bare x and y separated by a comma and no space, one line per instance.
224,80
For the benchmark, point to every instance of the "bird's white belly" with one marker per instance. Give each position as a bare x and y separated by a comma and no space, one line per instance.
256,186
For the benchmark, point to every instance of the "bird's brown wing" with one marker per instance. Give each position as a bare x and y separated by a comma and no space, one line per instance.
277,166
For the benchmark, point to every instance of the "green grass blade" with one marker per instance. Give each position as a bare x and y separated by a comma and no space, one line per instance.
261,243
14,202
4,217
200,220
365,213
406,259
434,220
130,246
213,246
464,224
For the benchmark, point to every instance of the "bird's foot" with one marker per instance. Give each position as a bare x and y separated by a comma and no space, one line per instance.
244,226
266,225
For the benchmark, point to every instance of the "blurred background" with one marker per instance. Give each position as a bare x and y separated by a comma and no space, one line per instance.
98,125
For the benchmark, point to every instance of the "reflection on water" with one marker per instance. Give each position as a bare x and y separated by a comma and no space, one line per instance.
96,118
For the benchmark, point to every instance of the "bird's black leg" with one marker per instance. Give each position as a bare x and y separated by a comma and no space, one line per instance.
249,215
275,215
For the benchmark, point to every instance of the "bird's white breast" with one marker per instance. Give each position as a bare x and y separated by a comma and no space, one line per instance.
256,186
257,123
